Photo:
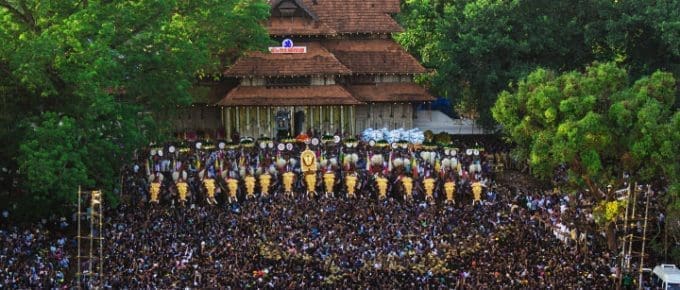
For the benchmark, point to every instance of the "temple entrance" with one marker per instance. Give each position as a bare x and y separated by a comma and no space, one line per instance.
283,124
299,122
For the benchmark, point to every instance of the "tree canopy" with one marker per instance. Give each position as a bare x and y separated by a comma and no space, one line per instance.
476,48
598,124
78,80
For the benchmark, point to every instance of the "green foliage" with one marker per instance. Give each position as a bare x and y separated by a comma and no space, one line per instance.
478,47
596,123
103,69
642,35
52,159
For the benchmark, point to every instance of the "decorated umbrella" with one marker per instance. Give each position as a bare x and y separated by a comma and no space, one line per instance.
303,138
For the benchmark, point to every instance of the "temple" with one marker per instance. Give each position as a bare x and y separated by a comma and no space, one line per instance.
334,69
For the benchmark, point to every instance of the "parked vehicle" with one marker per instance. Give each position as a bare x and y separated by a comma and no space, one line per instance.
666,276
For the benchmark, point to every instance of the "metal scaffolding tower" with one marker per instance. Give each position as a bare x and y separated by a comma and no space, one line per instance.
90,242
635,232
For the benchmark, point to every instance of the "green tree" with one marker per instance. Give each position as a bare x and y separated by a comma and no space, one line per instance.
644,36
103,69
477,47
598,125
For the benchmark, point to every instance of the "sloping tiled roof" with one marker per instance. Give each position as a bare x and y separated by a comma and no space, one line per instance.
357,16
288,96
390,92
317,61
298,3
374,56
297,26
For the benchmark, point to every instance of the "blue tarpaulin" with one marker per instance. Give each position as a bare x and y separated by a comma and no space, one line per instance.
441,104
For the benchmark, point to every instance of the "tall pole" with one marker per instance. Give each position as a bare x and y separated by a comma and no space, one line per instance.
89,262
292,123
630,238
227,123
78,272
222,121
644,238
353,119
332,123
248,121
238,122
310,116
101,241
342,120
625,235
321,120
259,131
269,121
665,240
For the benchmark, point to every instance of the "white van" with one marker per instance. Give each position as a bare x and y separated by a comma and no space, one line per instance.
667,276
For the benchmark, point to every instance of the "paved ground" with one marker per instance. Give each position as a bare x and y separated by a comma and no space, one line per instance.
437,122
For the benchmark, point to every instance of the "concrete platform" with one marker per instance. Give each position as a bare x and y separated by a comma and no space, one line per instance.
437,122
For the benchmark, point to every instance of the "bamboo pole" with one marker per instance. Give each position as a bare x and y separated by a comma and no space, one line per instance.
630,238
89,262
625,231
101,241
78,238
644,238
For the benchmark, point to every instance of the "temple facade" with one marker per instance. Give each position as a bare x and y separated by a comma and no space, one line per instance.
335,69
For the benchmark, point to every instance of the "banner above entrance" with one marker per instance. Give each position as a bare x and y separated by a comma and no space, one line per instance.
288,47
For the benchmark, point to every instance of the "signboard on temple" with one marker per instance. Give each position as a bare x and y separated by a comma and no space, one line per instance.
288,47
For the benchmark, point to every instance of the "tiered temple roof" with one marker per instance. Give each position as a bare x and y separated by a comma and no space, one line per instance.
317,61
356,16
343,37
286,96
374,56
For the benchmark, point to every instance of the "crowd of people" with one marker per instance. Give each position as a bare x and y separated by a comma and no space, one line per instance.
306,234
34,257
297,243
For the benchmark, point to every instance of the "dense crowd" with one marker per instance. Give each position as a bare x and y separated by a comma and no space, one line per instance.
514,236
297,243
34,257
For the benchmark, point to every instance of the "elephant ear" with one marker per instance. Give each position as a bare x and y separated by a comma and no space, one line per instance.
446,162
